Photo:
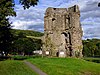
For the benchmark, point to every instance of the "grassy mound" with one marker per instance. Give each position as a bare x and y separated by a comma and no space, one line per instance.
66,66
11,67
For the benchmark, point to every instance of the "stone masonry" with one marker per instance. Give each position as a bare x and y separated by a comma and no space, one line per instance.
62,32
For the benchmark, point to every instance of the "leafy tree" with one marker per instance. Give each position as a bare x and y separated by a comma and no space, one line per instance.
6,10
24,45
28,3
97,52
91,47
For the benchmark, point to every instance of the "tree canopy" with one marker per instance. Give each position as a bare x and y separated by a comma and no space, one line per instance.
28,3
24,45
91,48
6,10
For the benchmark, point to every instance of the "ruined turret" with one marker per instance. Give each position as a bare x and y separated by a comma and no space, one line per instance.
62,32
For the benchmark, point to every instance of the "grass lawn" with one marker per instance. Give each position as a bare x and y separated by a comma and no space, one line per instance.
13,67
66,66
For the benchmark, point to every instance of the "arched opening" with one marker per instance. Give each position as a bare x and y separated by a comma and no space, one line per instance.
57,54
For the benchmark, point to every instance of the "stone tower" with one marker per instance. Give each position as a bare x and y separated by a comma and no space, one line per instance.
62,32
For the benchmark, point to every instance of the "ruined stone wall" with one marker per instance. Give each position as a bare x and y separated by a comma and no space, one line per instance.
62,32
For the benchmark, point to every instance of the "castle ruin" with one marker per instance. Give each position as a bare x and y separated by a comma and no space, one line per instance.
62,32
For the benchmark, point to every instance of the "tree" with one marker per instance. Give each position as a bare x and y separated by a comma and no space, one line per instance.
24,45
28,3
7,9
98,49
91,48
86,50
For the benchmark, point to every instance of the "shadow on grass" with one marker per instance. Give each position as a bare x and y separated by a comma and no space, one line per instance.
2,58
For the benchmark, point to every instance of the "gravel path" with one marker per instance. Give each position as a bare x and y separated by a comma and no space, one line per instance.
34,68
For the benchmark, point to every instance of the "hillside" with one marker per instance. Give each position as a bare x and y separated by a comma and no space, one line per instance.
25,41
27,32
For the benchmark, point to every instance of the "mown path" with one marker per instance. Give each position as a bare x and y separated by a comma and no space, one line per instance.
34,68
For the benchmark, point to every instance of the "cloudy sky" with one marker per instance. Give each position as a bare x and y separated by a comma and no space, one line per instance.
33,18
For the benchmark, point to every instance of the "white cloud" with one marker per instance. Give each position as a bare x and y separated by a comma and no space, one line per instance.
33,18
25,19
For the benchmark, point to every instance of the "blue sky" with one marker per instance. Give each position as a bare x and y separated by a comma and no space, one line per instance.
33,18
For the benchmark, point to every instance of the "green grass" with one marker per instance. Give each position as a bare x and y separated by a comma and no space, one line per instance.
66,66
12,67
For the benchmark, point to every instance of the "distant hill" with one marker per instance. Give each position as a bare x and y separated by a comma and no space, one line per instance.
27,32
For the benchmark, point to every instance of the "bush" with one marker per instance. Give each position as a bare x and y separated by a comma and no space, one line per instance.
96,60
19,57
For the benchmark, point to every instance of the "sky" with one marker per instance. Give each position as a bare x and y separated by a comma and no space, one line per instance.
33,18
